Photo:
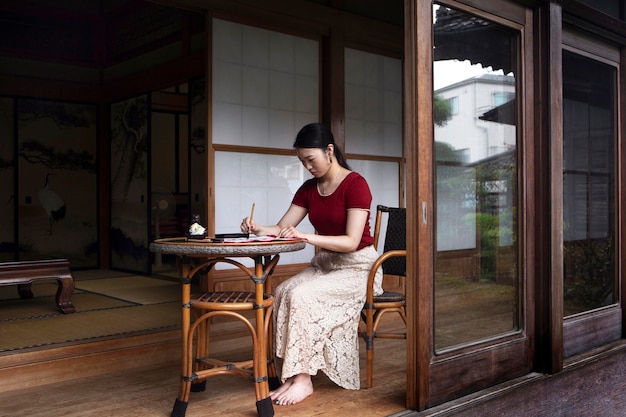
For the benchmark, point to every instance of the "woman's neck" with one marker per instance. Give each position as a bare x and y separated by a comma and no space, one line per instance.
328,183
333,172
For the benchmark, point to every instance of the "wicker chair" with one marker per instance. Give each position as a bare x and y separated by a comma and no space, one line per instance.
393,262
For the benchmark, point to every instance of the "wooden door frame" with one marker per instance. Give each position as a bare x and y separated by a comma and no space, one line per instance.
435,378
419,130
549,203
600,326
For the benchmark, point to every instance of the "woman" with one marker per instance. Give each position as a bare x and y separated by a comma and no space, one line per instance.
316,312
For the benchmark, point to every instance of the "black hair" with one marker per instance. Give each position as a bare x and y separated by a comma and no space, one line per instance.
317,135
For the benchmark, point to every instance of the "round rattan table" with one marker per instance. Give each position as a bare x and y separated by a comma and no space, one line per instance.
198,254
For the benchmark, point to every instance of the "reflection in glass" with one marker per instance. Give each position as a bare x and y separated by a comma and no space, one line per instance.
475,112
588,183
610,7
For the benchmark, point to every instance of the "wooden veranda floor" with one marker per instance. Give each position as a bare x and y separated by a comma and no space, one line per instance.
137,374
129,365
151,392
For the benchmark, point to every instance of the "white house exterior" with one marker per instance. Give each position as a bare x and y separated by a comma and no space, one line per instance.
474,138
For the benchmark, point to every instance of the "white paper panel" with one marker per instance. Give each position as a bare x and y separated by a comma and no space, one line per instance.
373,97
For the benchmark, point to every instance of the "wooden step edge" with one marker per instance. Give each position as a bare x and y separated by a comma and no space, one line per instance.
219,331
37,355
46,366
89,360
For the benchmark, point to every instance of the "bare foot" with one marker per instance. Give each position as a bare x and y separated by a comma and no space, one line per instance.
274,394
300,387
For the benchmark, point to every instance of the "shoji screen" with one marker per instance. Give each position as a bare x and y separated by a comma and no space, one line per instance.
265,88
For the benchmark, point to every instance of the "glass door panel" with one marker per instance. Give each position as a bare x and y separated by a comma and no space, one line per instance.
476,157
589,268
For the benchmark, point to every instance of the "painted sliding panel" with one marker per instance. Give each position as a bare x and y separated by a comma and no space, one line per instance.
476,154
265,88
130,220
57,190
8,244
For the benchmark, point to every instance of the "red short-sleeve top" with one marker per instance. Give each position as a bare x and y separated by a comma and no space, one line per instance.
329,214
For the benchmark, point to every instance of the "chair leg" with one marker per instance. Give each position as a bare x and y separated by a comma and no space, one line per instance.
273,380
368,337
370,366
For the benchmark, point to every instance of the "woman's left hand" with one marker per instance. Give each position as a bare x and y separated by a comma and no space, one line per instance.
290,231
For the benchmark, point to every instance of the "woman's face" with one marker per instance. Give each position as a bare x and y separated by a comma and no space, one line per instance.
315,160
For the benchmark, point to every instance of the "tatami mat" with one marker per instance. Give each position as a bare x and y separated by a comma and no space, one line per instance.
87,325
115,304
136,289
83,274
39,306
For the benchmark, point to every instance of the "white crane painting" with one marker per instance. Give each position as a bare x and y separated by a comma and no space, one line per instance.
52,203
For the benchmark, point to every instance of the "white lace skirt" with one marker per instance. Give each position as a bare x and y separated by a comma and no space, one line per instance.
316,316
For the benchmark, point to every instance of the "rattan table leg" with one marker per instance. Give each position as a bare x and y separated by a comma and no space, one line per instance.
180,408
265,408
180,405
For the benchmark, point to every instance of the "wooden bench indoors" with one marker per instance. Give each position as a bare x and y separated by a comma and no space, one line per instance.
23,273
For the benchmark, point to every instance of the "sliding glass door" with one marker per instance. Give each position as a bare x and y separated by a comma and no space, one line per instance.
591,314
474,301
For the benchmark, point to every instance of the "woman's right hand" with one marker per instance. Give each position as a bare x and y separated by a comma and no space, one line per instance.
248,226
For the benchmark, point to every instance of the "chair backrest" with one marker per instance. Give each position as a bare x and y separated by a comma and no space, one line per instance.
395,237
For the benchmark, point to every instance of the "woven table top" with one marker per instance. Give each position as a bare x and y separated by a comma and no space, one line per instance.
193,247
